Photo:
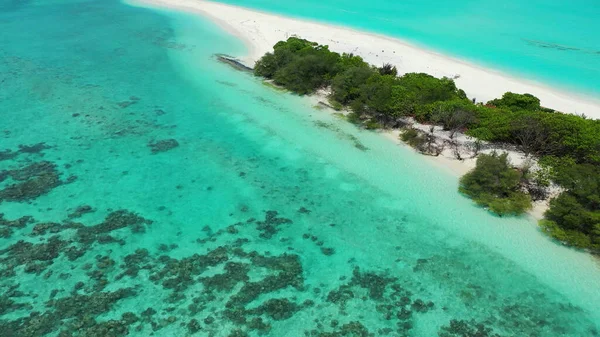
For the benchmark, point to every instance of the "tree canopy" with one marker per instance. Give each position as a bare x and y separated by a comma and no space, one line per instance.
514,101
495,184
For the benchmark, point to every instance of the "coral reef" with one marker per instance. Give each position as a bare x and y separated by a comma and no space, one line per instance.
226,287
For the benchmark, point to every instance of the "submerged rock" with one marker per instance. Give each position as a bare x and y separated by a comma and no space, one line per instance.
35,148
269,226
7,155
327,251
79,211
163,145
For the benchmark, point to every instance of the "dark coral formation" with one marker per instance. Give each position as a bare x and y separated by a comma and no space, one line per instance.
76,313
374,283
392,301
235,272
132,100
8,304
35,257
31,181
8,155
278,309
327,251
7,227
270,226
225,288
461,328
27,149
80,211
114,221
163,145
35,148
350,329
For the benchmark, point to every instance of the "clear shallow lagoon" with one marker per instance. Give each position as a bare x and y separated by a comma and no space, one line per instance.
268,217
552,42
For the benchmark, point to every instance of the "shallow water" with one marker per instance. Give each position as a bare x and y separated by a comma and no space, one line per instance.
216,204
552,42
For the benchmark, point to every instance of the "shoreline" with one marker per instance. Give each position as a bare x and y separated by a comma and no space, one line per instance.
258,43
260,33
446,159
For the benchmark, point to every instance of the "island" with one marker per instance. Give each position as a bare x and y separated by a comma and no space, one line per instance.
564,149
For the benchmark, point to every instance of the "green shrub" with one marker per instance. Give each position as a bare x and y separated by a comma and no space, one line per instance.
337,106
354,118
570,237
493,183
412,137
372,125
514,101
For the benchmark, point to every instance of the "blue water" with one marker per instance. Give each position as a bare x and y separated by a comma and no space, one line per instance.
552,42
147,189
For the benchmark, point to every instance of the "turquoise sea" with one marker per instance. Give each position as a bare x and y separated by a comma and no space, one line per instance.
148,190
556,42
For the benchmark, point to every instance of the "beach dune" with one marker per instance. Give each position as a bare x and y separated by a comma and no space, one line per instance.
260,31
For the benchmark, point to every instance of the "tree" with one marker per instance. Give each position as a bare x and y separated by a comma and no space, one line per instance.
495,184
454,115
306,74
348,61
533,136
429,89
574,136
514,101
493,124
388,69
345,86
375,96
266,66
300,65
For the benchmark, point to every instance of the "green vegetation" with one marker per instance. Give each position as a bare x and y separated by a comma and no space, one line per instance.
494,183
378,98
574,216
272,86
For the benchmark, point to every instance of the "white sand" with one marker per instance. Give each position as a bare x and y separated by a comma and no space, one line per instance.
447,160
260,31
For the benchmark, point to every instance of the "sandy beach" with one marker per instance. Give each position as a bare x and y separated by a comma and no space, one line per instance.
260,31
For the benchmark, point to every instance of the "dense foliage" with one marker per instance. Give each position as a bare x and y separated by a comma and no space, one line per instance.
378,97
494,183
574,216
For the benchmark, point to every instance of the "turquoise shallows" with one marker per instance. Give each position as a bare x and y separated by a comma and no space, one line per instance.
364,228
